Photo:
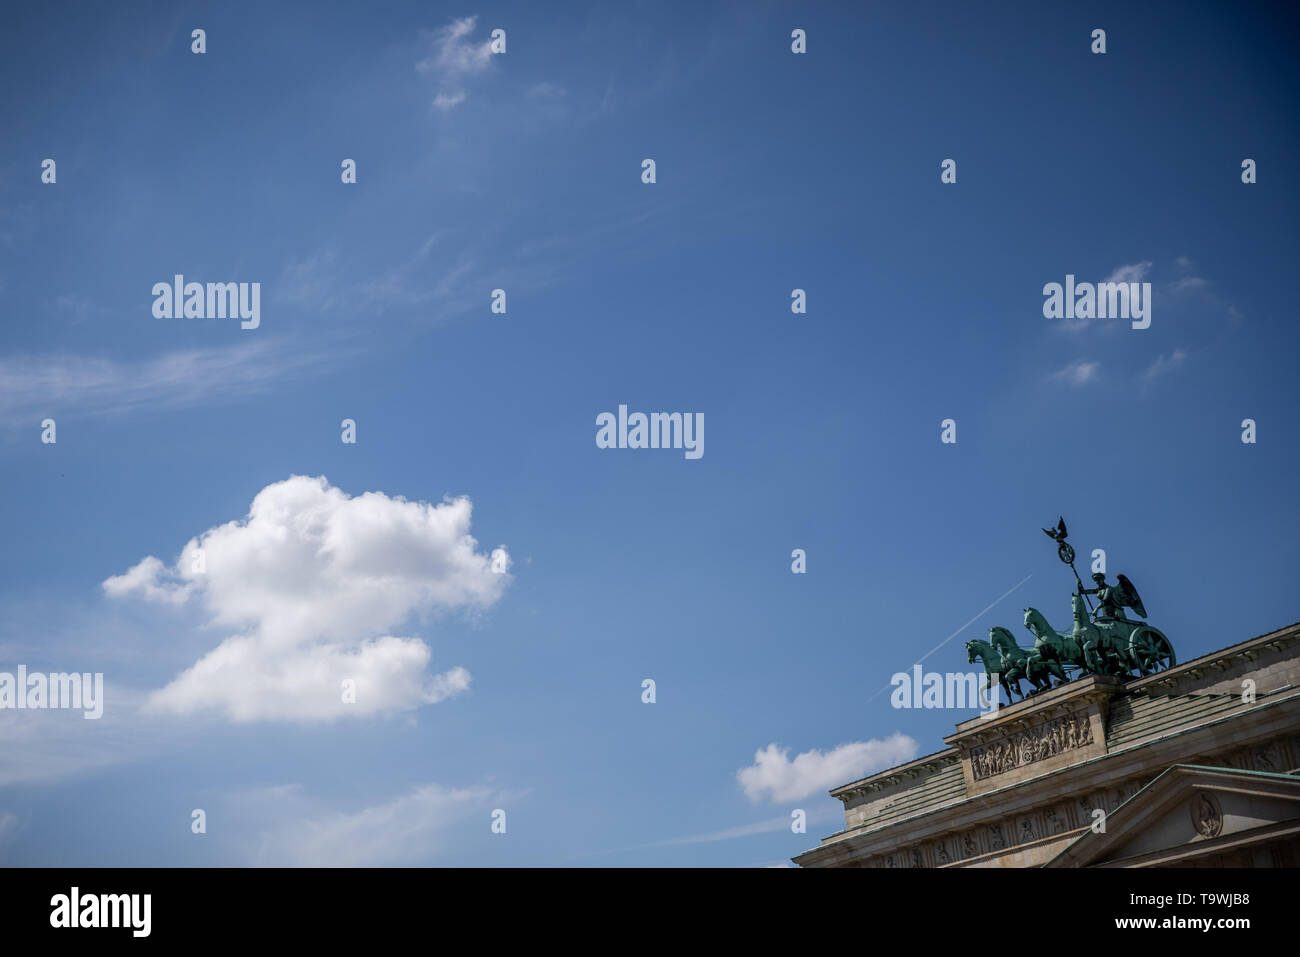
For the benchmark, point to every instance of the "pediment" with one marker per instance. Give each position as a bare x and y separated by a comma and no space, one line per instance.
1187,812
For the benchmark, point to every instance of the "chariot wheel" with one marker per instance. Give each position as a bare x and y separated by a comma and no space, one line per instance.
1150,650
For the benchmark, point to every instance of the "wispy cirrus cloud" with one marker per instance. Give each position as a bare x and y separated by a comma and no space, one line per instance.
32,387
449,101
77,309
415,281
315,282
772,825
1078,373
40,747
9,825
454,58
1165,364
546,90
823,815
311,282
1188,284
292,830
1197,287
1126,273
1134,272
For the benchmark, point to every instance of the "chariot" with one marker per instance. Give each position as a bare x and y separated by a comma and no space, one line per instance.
1103,642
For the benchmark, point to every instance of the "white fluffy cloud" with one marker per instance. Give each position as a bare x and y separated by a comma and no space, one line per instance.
148,578
775,776
311,581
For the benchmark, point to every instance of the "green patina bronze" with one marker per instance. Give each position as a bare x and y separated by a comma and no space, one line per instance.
1102,642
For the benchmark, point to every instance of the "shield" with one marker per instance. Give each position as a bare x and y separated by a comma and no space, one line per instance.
1133,599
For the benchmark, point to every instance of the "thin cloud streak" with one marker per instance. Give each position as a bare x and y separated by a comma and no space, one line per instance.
32,387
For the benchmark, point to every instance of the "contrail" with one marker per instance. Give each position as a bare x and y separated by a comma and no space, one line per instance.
960,630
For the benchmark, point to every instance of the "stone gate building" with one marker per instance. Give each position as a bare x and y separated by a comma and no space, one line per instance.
1195,766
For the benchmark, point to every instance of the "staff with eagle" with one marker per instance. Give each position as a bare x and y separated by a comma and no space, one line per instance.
1101,641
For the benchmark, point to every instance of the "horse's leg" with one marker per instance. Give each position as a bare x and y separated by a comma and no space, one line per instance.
1004,684
993,689
1032,673
1071,653
1062,653
1039,678
1048,656
993,679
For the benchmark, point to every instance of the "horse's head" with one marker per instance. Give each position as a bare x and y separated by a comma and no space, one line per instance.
970,652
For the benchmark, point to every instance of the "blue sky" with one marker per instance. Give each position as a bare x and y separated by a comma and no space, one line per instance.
522,171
